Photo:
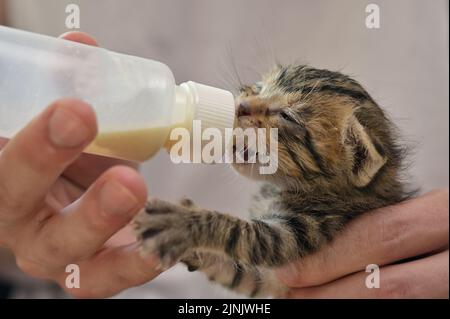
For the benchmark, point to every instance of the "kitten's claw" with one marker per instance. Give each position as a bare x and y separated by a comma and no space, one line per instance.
192,261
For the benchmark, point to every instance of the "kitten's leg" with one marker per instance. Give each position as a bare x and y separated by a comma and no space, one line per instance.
251,281
172,231
221,269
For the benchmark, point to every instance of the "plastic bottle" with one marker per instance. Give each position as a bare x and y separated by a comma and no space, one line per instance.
136,100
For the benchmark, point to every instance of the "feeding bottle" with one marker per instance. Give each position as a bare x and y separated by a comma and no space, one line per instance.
136,100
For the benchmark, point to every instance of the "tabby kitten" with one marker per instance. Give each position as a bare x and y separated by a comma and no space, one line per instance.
337,158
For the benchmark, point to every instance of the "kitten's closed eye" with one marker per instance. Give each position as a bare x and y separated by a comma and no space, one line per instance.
285,115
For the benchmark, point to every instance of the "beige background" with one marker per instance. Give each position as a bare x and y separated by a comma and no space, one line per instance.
404,65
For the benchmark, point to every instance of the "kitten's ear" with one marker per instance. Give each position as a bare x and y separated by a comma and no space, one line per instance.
368,157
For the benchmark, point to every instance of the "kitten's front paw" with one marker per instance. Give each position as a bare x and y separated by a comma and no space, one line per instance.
163,229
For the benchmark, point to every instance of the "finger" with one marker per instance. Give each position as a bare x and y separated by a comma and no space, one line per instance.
84,226
423,278
88,167
32,161
384,236
112,271
80,37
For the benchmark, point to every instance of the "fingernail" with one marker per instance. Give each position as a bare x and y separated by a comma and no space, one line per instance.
66,129
116,199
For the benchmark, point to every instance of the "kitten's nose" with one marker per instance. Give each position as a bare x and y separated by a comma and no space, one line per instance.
250,106
244,109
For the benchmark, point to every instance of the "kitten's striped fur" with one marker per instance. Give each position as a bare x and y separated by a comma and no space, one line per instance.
338,157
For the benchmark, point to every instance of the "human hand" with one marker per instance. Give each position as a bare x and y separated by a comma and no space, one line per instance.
408,241
60,207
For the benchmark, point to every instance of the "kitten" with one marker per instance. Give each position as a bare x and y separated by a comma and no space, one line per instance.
338,157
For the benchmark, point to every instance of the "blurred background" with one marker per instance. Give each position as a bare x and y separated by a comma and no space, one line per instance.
404,65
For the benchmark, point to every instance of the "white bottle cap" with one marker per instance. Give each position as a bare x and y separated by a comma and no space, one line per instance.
214,107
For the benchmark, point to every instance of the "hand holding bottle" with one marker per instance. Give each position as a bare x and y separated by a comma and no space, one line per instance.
58,207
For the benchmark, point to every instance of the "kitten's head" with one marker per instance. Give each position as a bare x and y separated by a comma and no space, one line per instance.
332,136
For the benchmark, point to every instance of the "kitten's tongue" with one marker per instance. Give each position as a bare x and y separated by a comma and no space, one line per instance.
249,154
246,154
